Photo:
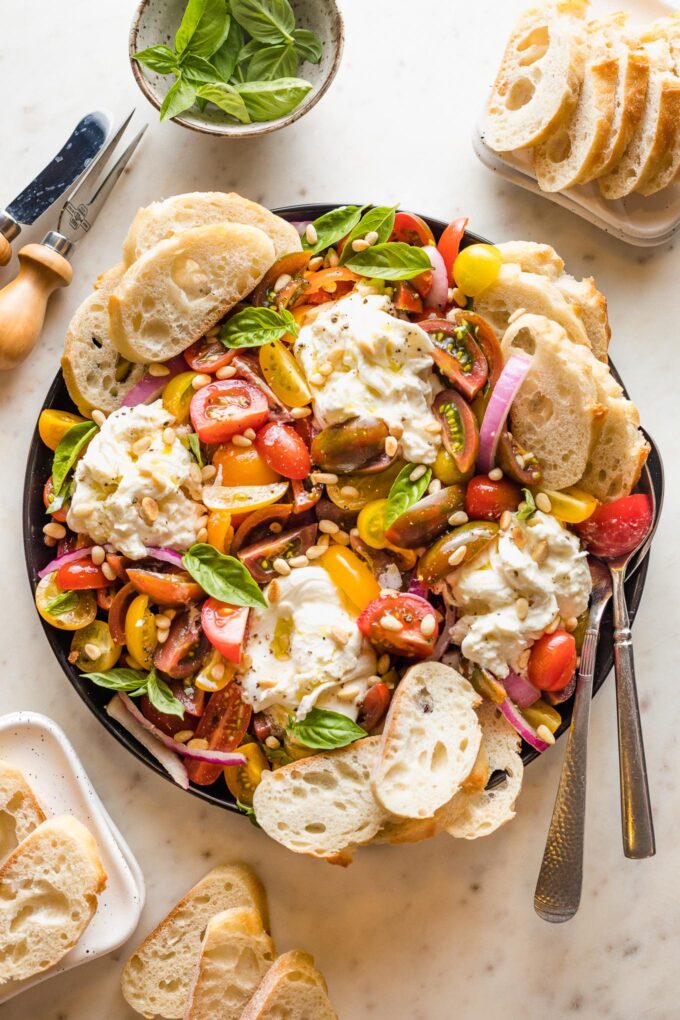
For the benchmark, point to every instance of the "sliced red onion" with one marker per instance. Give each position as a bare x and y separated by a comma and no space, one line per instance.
166,555
438,294
60,561
504,392
557,697
220,758
170,762
300,225
518,722
444,639
150,387
520,690
416,587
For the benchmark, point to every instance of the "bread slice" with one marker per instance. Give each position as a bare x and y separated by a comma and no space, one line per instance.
430,741
532,257
485,811
538,82
293,989
161,220
174,293
668,166
20,812
157,977
235,955
48,896
556,413
96,375
618,457
514,289
324,805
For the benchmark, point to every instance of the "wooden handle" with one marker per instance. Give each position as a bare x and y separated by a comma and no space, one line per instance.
23,302
5,250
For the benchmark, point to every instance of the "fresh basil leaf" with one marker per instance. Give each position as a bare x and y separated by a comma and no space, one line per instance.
56,503
268,100
254,327
321,729
333,226
224,59
129,680
67,451
204,27
197,70
249,812
161,697
527,507
308,45
63,603
180,97
274,62
223,577
195,447
226,98
158,58
268,21
404,493
380,219
393,260
248,51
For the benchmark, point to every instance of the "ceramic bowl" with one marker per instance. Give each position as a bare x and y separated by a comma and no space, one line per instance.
156,21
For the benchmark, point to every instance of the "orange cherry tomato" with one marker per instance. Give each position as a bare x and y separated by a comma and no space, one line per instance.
243,465
165,589
552,661
323,284
223,724
410,610
208,354
220,530
283,450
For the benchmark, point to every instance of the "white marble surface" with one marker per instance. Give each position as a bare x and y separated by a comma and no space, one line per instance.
445,928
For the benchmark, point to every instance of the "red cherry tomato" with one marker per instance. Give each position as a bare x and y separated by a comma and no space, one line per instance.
80,575
411,229
486,500
409,611
223,724
207,355
48,493
225,628
284,450
221,409
165,589
616,528
304,498
262,727
449,243
374,706
168,724
407,299
552,661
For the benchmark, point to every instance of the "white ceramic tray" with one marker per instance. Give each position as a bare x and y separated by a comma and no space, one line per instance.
37,746
641,221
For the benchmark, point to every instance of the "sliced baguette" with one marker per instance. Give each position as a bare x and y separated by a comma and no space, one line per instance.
157,977
161,220
324,805
532,257
539,78
235,956
48,895
20,812
180,288
484,811
430,741
292,989
668,167
556,413
96,375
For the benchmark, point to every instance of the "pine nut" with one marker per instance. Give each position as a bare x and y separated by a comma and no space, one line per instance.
323,542
315,263
433,426
200,380
273,742
91,650
183,736
202,535
349,491
226,372
571,623
495,474
195,474
149,510
457,556
98,417
208,472
249,433
540,553
505,521
316,379
427,625
372,237
543,733
373,680
162,622
522,608
311,234
397,430
326,369
450,298
239,440
332,258
218,670
169,436
157,370
383,664
460,517
391,623
459,297
108,572
341,637
281,567
83,509
198,744
391,446
98,555
417,473
523,659
283,280
360,244
328,527
543,502
434,487
298,561
54,530
324,478
518,538
300,412
141,445
341,537
349,692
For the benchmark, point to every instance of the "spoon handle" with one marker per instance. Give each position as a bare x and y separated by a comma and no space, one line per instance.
636,810
558,889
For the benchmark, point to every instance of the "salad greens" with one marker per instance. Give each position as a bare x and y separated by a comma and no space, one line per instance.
332,226
322,729
242,56
135,683
391,260
223,577
67,451
379,219
404,493
254,327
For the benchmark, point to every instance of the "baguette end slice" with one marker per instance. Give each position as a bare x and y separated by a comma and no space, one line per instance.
292,989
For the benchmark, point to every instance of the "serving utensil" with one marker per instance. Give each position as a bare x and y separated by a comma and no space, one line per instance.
74,157
44,267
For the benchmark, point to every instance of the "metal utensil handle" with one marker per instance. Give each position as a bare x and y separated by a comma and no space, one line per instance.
558,889
636,810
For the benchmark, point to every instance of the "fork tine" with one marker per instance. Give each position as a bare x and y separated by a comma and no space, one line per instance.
107,185
92,176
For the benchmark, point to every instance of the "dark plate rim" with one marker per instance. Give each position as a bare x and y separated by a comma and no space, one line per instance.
36,555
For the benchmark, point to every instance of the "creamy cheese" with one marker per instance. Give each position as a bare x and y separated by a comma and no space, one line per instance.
382,366
305,648
117,473
556,583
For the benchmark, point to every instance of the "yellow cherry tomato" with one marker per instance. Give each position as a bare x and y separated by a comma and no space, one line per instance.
53,425
351,575
243,465
95,635
210,677
371,525
368,487
220,530
177,396
66,610
140,631
476,268
239,499
542,714
281,371
243,780
571,506
445,469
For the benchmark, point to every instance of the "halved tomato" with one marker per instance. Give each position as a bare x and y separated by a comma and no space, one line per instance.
324,284
305,494
281,371
183,652
259,558
245,533
293,264
394,623
140,631
53,425
407,299
225,628
243,465
284,450
485,336
486,500
457,355
223,408
48,495
411,229
223,724
208,354
165,589
118,612
373,707
449,243
81,575
460,433
243,780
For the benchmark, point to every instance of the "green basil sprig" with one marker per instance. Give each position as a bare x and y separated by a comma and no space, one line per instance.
267,100
204,27
135,683
254,327
227,98
273,62
527,507
392,260
63,603
404,493
324,730
67,452
380,219
195,447
223,577
333,226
